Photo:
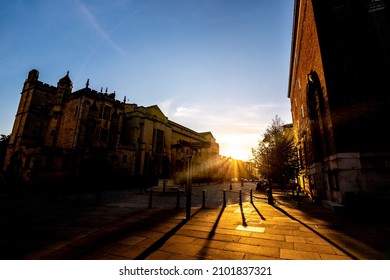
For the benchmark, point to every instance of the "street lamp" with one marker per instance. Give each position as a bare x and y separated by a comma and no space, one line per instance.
189,187
269,189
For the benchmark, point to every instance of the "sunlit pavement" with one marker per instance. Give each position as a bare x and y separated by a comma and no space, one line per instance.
127,225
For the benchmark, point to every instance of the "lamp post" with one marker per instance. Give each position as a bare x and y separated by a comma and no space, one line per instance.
189,187
269,189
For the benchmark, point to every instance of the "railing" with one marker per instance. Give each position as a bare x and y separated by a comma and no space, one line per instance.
201,197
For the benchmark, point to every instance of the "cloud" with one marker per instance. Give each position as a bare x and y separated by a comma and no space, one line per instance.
185,112
237,127
91,20
165,106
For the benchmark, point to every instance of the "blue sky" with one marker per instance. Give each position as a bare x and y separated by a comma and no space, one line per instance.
211,65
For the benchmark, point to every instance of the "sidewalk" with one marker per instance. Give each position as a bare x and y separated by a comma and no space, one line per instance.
236,232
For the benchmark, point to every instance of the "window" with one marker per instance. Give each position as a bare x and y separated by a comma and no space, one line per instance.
158,141
107,113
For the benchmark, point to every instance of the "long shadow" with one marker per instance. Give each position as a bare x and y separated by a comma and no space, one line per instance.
316,232
351,223
212,232
243,216
258,212
160,242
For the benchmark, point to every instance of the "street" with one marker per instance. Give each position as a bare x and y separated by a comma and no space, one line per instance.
135,199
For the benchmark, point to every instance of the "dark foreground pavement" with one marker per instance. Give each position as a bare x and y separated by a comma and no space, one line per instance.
46,228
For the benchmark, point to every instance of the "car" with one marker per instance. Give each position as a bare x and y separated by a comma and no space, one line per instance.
234,180
262,185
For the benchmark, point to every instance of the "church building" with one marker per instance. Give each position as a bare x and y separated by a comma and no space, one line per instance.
65,136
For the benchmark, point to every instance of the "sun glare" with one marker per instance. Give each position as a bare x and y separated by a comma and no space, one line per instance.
237,152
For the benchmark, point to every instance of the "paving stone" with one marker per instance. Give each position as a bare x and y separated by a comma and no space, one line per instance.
181,239
314,248
252,249
250,228
159,255
266,242
184,249
231,233
250,256
193,233
334,257
217,254
209,243
268,236
133,240
289,254
225,237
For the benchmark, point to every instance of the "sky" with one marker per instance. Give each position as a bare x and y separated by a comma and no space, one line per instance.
210,65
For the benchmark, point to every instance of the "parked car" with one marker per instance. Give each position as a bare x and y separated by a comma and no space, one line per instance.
262,185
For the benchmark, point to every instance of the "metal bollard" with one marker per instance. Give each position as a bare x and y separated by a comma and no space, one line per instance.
240,194
204,199
269,196
150,198
224,198
251,195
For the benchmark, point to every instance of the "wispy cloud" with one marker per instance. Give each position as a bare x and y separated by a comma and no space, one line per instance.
105,36
233,125
165,106
186,112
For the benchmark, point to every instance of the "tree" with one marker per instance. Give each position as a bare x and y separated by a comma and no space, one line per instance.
276,155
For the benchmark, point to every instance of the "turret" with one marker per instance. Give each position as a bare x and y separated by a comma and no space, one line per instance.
32,78
33,75
64,87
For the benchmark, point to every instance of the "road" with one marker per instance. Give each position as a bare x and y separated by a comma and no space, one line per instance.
213,194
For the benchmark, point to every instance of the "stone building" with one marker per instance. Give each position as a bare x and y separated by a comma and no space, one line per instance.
60,135
339,89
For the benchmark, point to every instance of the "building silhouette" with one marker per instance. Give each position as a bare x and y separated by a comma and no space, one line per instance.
63,136
339,89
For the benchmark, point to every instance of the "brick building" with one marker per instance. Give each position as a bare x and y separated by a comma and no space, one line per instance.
339,88
89,136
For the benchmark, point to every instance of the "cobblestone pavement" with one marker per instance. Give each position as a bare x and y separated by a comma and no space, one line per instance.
128,225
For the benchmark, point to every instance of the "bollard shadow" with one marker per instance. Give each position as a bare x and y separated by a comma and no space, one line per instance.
212,232
258,212
243,216
160,242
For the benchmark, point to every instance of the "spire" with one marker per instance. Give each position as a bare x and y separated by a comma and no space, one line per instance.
87,84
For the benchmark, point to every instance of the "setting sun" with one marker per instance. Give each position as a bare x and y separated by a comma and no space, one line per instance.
237,146
237,151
